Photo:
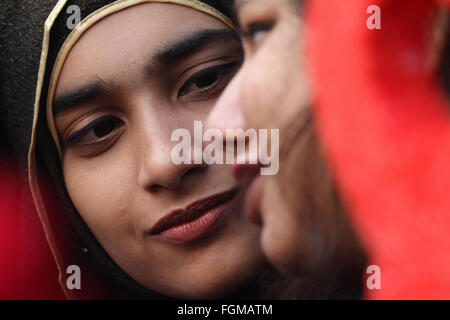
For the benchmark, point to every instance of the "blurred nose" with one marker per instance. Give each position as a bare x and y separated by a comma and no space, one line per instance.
227,113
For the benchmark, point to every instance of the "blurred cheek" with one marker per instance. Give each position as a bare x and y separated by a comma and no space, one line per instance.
271,92
258,91
282,232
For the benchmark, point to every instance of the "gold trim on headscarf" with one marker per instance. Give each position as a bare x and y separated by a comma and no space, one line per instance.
32,174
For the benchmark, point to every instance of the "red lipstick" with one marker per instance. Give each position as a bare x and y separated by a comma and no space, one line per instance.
195,221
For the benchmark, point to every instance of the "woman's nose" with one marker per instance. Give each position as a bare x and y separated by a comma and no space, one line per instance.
157,174
227,112
158,171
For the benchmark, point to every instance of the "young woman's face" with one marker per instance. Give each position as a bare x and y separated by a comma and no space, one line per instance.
128,83
296,207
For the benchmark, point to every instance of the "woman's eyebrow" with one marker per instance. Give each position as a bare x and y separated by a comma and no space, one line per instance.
78,96
240,3
169,54
198,40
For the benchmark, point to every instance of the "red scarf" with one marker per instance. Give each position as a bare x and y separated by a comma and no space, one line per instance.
385,126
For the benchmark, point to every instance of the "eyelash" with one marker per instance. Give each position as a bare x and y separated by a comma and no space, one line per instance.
75,137
221,70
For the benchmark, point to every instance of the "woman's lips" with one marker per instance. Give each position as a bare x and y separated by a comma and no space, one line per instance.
186,225
252,199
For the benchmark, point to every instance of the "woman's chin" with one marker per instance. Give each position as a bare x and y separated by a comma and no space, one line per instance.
216,285
281,253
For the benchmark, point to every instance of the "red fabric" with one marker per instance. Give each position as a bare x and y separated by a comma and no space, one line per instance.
385,125
27,268
8,229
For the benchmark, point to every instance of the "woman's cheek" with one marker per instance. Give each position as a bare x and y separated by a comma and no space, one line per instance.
259,87
96,192
282,227
268,93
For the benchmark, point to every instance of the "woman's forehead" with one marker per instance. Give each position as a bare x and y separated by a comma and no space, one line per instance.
127,39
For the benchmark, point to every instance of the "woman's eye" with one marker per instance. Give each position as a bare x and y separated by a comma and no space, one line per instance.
259,36
206,80
256,32
209,81
96,131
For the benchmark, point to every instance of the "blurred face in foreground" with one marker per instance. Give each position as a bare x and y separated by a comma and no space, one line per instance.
303,225
127,84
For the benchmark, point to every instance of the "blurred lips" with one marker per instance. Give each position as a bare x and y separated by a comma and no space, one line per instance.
250,176
195,221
